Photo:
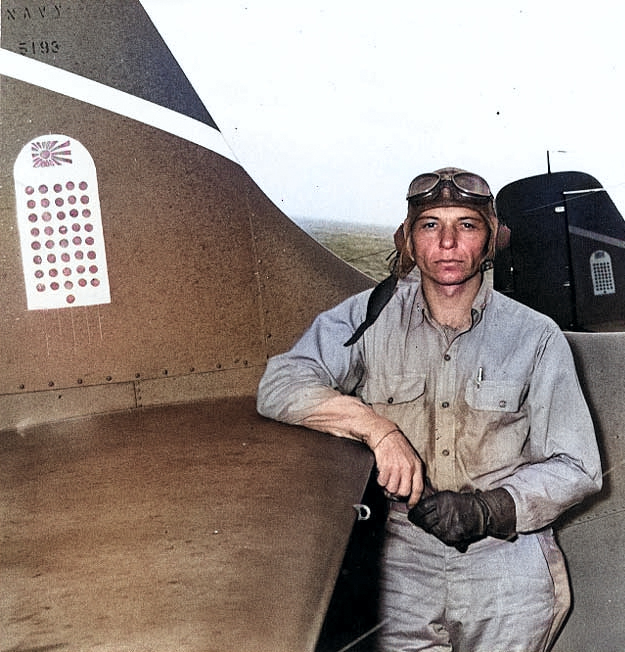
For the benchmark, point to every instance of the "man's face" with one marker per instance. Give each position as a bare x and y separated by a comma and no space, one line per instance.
449,244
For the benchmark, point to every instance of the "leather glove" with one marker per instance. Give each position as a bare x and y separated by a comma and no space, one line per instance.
459,519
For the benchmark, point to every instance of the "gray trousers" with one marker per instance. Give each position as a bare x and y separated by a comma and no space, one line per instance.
499,596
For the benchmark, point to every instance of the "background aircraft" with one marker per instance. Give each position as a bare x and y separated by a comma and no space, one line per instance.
567,250
145,280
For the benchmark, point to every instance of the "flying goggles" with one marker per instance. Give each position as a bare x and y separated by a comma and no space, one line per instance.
466,184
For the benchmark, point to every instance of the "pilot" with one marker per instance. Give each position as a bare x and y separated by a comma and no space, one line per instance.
481,435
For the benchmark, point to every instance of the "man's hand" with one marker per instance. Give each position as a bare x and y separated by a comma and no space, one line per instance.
400,469
459,519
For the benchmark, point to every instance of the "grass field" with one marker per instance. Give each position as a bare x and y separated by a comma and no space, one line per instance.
364,246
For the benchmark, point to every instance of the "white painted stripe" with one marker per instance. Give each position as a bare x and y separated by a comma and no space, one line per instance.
80,88
580,192
599,237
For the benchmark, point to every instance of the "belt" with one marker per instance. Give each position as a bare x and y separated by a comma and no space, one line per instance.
399,506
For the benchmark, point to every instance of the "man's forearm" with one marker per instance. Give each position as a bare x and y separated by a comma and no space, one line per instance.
348,416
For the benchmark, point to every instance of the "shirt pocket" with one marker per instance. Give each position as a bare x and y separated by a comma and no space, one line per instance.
394,389
495,395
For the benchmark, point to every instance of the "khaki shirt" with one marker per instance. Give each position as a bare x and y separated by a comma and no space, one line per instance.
498,405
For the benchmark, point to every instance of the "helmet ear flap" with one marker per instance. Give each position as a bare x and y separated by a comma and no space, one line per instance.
403,263
502,241
498,240
399,237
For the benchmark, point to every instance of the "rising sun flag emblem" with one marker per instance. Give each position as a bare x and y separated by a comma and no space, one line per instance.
49,153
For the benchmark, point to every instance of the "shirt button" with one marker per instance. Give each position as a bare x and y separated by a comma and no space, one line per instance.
445,404
447,357
445,452
389,400
502,404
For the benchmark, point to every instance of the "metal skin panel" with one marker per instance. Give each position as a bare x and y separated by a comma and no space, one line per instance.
180,528
592,535
296,274
163,225
204,270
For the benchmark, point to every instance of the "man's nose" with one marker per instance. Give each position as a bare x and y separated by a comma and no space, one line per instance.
448,238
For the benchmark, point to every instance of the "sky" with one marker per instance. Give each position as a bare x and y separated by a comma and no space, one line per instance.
333,107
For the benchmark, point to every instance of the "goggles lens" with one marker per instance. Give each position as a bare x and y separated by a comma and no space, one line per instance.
466,183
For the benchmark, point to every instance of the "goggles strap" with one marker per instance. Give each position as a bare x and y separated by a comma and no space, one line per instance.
378,299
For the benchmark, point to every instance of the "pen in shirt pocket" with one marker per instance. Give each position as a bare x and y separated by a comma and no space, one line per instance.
480,376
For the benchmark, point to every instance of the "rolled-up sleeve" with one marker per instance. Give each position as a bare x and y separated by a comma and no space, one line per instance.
317,368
